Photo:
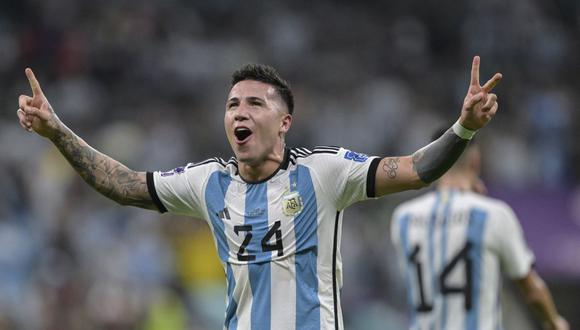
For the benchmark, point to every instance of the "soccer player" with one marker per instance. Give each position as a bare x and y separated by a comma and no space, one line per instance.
454,244
275,212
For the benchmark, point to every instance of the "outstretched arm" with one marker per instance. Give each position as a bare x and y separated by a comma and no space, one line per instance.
432,161
106,175
540,300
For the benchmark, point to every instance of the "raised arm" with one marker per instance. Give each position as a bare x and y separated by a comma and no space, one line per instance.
538,296
432,161
106,175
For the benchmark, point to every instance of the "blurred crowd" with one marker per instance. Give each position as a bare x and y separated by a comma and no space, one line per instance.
146,81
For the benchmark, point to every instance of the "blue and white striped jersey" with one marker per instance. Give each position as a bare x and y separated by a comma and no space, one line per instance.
278,240
453,247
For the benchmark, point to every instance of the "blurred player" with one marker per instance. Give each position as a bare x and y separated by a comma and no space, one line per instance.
275,212
454,244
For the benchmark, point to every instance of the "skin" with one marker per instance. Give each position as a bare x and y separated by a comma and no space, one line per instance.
538,297
257,106
106,175
251,104
479,107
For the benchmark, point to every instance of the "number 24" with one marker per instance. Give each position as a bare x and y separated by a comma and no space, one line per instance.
266,245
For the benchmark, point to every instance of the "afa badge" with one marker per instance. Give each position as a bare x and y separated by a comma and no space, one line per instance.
291,203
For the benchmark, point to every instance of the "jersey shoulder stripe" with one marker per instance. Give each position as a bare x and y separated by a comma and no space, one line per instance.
214,160
296,153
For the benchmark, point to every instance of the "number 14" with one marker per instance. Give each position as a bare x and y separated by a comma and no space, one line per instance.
445,289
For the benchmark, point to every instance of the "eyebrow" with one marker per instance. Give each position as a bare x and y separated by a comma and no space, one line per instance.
249,98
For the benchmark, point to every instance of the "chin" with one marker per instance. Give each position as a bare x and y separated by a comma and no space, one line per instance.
244,156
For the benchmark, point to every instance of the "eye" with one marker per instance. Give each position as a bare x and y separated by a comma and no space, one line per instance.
231,105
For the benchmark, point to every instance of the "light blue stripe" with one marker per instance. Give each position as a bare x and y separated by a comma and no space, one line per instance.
444,254
404,235
475,231
215,193
231,317
431,247
260,277
256,215
305,229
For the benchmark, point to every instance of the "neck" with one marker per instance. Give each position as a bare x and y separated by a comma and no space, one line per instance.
460,181
254,172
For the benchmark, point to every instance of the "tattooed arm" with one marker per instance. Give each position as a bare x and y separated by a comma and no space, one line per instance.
106,175
109,177
432,161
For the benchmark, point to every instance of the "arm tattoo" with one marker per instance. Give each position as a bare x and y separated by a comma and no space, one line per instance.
109,177
390,166
433,160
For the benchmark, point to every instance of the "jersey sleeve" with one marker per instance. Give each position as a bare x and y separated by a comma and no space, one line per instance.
347,176
516,258
178,191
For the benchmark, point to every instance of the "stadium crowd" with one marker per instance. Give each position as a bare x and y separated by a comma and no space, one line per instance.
146,81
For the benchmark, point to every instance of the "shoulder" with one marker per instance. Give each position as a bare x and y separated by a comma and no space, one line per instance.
499,212
311,155
421,204
213,163
202,168
327,155
488,203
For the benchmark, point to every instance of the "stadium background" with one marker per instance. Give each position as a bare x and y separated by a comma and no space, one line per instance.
146,81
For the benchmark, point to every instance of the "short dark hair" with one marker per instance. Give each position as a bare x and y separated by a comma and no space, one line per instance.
269,75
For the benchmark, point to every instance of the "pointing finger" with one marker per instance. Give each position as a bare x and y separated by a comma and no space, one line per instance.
475,71
34,84
490,84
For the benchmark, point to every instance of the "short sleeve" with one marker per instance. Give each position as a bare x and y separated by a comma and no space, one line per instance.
347,176
179,191
516,257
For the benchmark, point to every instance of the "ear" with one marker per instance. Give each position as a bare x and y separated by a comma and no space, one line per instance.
285,123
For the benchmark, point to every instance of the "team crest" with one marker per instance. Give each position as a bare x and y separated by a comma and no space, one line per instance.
291,203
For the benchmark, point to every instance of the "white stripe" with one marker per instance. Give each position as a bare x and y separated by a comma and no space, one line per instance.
283,309
283,275
324,265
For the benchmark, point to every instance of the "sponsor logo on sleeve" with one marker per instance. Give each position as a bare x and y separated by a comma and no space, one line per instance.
177,170
351,155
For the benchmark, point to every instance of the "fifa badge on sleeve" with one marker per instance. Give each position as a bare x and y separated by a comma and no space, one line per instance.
291,203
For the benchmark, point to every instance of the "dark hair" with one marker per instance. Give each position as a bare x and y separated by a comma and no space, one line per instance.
268,75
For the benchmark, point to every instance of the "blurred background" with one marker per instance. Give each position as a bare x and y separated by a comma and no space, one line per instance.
146,82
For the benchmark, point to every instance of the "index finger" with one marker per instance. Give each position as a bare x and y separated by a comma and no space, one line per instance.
475,71
34,84
490,84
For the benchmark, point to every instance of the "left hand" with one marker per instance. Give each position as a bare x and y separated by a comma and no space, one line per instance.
479,105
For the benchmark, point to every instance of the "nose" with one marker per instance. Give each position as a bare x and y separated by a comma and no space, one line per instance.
241,113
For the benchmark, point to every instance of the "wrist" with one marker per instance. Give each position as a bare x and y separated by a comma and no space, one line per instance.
462,131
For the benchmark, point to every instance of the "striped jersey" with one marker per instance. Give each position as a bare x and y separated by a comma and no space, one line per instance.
278,240
453,247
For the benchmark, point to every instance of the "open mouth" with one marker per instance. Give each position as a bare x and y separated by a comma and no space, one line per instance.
242,133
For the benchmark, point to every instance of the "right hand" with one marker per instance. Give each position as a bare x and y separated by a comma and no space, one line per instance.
35,113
